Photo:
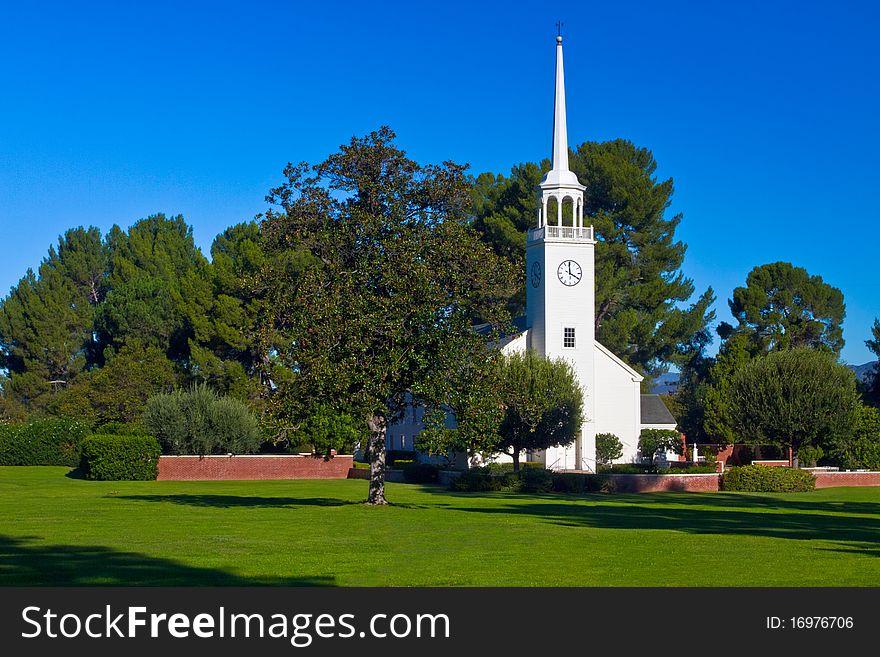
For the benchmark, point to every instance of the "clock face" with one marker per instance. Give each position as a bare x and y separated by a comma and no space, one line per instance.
536,274
569,273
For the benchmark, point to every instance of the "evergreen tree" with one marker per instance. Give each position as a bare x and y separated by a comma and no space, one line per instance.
640,288
160,288
873,386
46,321
783,306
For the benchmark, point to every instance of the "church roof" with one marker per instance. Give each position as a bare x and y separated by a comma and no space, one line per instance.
654,411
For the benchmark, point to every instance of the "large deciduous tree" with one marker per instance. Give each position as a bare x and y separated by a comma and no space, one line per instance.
640,289
396,279
792,399
542,404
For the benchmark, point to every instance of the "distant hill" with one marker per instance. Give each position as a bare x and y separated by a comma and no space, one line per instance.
667,384
862,371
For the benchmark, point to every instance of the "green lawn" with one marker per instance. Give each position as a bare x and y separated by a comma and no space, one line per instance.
58,530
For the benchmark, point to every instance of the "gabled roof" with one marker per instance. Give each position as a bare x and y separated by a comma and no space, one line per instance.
654,411
605,350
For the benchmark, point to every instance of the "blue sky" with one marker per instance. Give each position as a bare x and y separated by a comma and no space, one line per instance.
764,113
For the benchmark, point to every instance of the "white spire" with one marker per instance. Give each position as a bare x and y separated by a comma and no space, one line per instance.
559,174
560,132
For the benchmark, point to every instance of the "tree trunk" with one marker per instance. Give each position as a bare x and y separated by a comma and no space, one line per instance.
377,425
516,451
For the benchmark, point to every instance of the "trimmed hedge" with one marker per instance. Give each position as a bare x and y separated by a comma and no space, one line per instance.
420,473
572,482
766,479
108,457
527,480
43,442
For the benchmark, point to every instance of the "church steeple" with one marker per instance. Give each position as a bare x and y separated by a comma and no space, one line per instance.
560,132
560,183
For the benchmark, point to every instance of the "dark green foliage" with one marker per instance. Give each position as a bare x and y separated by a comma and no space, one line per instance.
393,278
608,447
118,391
420,473
46,321
861,449
530,479
476,480
42,442
575,483
640,288
872,391
123,429
107,457
542,403
783,307
197,421
652,441
763,479
793,398
393,456
325,430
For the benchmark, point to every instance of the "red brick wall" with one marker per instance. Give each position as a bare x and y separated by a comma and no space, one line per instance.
653,483
834,479
187,468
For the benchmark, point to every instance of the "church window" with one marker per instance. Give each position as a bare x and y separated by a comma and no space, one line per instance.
568,341
402,441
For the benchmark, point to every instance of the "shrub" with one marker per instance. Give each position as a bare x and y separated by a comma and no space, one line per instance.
476,480
653,440
571,482
647,468
326,430
502,468
608,447
536,480
764,479
123,429
197,421
420,473
108,457
402,456
43,442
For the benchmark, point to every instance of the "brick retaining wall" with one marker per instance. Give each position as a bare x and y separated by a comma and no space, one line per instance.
835,479
655,483
245,467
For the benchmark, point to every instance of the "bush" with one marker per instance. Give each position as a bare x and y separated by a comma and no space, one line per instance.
123,429
43,442
421,473
108,457
608,447
536,480
403,456
476,480
502,468
653,440
764,479
197,421
571,482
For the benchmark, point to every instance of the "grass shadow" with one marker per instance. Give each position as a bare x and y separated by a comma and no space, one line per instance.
234,501
715,515
26,562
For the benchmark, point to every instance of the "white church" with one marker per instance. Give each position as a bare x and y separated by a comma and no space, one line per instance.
560,320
